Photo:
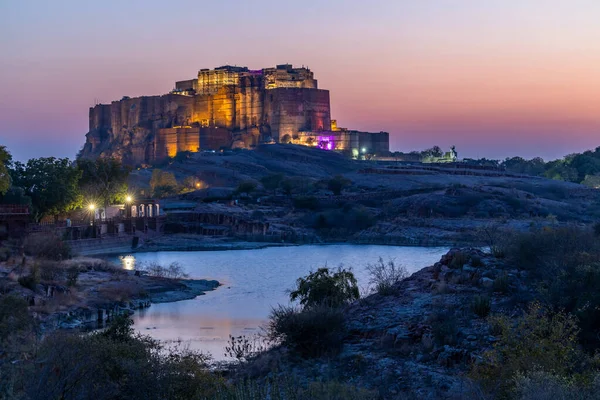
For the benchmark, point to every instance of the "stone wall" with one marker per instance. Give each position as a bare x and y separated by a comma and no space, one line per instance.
224,107
292,110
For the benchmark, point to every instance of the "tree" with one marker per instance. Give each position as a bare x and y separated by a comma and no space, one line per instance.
5,160
52,183
324,288
163,184
285,139
246,187
104,179
272,182
337,184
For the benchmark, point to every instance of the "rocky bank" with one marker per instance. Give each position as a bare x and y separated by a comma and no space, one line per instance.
420,340
101,291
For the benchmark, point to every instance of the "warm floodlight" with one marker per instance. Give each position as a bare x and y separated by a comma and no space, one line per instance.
92,207
128,199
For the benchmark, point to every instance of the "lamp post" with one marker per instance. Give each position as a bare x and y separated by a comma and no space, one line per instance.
128,201
93,216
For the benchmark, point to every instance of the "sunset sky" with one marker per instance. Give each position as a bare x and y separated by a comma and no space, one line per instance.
494,77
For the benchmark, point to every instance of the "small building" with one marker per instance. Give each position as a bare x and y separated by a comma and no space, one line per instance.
13,220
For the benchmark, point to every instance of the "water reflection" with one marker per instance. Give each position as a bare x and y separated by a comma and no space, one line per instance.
128,262
253,282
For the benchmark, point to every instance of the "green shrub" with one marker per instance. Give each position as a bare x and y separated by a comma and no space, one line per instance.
563,264
312,332
539,340
325,288
481,306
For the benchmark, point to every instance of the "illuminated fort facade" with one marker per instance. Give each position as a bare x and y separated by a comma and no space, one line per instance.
226,107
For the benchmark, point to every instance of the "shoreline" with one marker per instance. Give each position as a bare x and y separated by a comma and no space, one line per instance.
194,244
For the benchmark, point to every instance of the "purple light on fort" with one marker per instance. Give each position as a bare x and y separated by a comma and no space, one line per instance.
326,142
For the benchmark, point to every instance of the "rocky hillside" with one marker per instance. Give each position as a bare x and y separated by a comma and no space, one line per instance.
421,339
397,204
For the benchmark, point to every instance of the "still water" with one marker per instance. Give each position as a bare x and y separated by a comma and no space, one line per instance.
253,282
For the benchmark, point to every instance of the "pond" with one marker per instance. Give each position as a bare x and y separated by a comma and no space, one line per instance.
254,281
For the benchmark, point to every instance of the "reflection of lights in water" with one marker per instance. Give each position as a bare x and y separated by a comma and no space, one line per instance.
128,262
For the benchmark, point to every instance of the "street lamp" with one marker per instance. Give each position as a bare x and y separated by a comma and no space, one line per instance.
128,201
92,208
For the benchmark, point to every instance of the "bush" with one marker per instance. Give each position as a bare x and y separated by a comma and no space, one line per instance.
32,280
72,276
344,221
118,365
481,306
48,246
312,332
287,387
501,284
306,202
324,288
563,264
14,317
272,182
539,385
246,187
337,184
541,340
444,327
173,271
49,271
384,276
243,348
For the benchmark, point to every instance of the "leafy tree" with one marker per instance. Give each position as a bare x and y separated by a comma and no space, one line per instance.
324,288
52,183
337,184
16,195
272,182
285,139
5,160
163,184
246,187
104,179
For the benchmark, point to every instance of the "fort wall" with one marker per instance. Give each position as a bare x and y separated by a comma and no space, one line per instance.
224,107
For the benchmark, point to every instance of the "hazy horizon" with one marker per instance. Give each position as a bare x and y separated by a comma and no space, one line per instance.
494,79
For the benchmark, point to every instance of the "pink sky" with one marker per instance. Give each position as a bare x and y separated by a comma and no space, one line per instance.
495,79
